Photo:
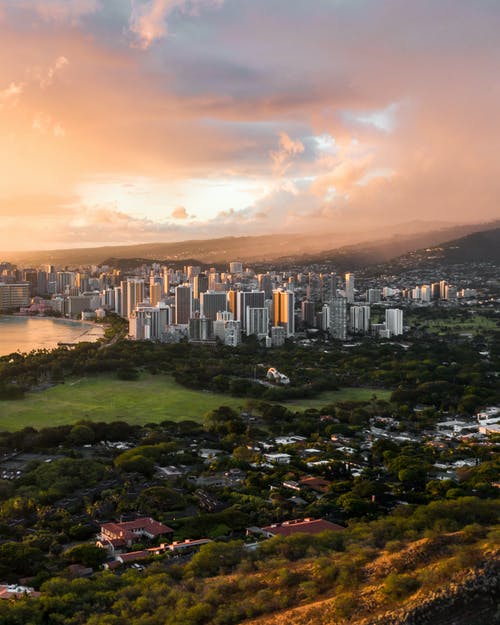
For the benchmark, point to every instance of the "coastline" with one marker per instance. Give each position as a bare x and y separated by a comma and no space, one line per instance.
77,331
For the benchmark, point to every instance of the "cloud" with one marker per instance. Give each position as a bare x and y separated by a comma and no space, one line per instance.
148,21
10,95
231,100
180,213
288,149
62,10
45,124
45,77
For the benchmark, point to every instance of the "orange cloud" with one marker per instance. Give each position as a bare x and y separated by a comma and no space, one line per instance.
180,213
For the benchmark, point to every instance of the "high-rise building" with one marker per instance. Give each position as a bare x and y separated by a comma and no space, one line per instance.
373,296
213,302
235,267
349,287
435,288
155,290
232,302
443,290
135,295
247,299
323,318
65,280
166,281
394,321
265,284
201,330
31,276
13,296
191,271
200,285
183,304
329,290
308,313
257,322
284,311
425,293
360,319
149,322
338,318
278,336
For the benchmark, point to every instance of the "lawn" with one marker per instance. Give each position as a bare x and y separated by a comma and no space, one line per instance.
472,324
151,398
344,394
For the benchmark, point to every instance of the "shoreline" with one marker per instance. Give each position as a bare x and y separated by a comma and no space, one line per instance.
86,331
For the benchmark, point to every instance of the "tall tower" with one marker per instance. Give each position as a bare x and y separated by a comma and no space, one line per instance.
394,321
284,311
360,319
200,285
183,304
308,313
248,299
135,295
349,287
338,318
257,322
213,302
155,289
266,284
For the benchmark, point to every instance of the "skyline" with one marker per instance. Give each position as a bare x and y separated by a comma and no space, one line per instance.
172,119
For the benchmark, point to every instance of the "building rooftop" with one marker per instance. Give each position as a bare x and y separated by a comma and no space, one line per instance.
302,526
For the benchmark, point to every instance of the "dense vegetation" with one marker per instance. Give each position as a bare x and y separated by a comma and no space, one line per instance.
419,514
449,375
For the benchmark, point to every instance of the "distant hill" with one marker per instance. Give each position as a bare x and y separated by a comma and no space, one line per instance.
482,246
478,247
351,250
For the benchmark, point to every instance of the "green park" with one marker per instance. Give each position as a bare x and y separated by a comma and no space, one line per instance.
151,398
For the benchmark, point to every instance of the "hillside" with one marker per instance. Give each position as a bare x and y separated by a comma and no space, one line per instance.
352,249
476,247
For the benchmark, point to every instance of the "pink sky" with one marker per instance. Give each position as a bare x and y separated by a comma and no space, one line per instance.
125,122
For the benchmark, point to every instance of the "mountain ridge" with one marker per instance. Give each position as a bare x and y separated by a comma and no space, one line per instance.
264,248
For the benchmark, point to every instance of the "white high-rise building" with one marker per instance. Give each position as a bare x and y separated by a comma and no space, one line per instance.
257,322
349,287
149,323
394,321
360,319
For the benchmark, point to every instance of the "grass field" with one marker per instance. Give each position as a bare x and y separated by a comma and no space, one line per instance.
474,324
149,399
344,394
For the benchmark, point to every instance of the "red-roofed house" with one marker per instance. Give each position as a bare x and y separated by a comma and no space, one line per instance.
122,535
300,526
316,484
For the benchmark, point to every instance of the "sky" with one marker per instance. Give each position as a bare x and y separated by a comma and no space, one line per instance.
128,121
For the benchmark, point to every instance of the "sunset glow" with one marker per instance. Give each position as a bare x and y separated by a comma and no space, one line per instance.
159,120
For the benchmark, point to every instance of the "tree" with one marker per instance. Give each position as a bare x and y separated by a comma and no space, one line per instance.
81,435
223,421
88,555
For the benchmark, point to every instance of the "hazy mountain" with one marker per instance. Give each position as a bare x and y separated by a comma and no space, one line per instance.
356,249
437,246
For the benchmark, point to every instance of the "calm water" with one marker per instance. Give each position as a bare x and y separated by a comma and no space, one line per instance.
26,333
